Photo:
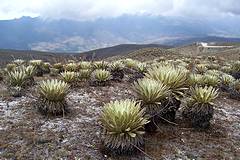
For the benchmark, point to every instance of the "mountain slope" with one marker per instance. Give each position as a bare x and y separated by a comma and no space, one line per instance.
79,36
119,50
9,55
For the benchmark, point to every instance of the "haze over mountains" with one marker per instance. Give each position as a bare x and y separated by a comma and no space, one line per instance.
64,35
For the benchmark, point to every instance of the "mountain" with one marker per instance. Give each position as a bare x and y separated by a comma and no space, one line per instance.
65,35
7,55
118,50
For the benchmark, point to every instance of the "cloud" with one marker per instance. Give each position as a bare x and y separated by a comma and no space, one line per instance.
92,9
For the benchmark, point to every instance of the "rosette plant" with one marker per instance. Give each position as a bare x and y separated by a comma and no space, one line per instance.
100,65
176,80
11,67
201,68
100,77
225,81
153,96
199,107
211,80
29,71
46,67
38,64
52,97
16,81
19,62
130,63
84,65
195,79
123,126
235,90
68,77
139,71
59,67
235,69
84,74
71,67
116,69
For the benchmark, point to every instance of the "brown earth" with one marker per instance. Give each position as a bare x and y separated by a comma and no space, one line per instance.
26,134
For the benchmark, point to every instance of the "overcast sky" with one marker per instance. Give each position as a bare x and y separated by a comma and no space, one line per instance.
92,9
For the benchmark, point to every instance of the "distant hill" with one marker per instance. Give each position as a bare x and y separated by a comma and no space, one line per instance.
145,54
184,41
230,54
119,50
9,55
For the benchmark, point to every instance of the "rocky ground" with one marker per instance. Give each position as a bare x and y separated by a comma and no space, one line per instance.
26,134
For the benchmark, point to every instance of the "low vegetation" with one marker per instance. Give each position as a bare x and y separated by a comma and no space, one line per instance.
158,93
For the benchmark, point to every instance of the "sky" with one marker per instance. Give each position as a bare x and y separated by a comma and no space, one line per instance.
93,9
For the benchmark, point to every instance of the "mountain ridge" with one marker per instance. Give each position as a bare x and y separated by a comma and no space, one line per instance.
80,36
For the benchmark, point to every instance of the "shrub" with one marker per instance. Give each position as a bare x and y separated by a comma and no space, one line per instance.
199,108
123,123
52,97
